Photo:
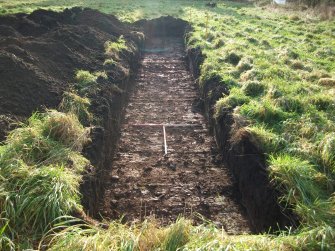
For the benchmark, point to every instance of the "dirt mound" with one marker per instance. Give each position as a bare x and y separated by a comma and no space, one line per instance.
40,53
163,27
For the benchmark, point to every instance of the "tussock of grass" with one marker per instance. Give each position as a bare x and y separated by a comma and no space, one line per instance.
253,88
101,74
266,140
323,101
37,197
290,104
87,82
38,142
244,65
40,168
298,65
264,112
326,82
233,58
274,92
75,235
65,129
113,48
250,75
306,188
297,175
73,103
327,149
177,235
109,61
236,98
85,79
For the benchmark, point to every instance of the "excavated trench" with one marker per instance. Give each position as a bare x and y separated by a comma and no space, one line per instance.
154,156
166,164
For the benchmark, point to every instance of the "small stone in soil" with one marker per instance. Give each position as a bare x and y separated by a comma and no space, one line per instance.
172,166
148,169
115,178
144,192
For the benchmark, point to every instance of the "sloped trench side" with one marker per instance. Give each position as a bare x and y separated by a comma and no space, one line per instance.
103,145
143,180
110,109
244,159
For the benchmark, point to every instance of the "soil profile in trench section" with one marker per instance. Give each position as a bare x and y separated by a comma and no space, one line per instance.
190,179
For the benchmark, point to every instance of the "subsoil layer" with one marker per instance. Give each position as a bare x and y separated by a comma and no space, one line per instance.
189,179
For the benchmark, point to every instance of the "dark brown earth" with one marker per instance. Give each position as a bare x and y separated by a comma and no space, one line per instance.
40,52
189,179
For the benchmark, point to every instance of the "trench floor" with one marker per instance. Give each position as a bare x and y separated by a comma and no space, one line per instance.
190,180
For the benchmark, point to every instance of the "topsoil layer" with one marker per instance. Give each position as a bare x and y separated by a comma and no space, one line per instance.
40,52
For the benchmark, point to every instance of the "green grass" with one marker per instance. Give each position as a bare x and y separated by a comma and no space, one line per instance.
85,80
283,91
5,242
40,172
72,234
128,10
279,66
73,103
116,47
87,84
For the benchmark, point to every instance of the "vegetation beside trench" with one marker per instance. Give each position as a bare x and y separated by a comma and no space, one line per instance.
280,73
41,162
279,67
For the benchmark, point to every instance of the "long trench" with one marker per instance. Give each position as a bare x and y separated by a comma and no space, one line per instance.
166,163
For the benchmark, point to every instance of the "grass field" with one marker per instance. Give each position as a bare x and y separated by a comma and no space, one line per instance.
280,68
127,10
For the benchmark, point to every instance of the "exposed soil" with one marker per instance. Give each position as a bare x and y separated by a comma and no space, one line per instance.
40,52
190,178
